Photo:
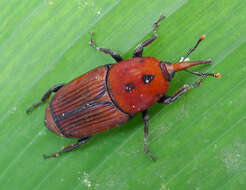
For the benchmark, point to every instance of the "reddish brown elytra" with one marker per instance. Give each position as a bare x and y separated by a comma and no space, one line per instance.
110,95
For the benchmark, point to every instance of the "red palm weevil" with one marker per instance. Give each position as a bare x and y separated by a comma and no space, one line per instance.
110,95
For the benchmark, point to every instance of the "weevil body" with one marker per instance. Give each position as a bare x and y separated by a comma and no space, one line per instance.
110,95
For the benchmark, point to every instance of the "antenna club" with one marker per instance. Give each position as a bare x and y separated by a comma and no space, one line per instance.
217,75
203,37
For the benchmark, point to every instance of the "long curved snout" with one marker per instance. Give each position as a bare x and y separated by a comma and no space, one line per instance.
179,66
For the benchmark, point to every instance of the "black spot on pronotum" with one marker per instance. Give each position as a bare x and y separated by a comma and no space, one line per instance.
148,78
130,86
141,60
158,95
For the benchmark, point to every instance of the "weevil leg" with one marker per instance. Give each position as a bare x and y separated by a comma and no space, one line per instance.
68,148
113,53
139,49
146,133
179,93
45,97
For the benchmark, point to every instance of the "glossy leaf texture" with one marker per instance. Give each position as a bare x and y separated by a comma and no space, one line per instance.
199,140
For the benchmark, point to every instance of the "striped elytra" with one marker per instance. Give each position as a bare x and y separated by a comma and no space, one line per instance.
83,107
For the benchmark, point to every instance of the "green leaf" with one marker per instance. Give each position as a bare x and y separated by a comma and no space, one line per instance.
200,139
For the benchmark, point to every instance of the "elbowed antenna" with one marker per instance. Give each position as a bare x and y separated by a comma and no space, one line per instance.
185,65
202,37
182,65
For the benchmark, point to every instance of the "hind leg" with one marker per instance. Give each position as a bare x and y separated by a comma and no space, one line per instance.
68,148
45,97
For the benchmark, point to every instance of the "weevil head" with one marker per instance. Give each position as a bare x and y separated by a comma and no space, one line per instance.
169,69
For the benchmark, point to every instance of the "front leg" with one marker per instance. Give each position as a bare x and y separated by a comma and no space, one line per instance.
180,92
139,49
146,133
